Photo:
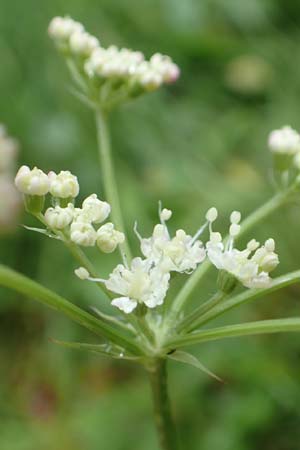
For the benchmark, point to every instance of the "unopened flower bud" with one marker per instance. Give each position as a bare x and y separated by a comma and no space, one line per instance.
32,182
284,144
234,229
235,217
82,273
82,233
63,185
108,238
211,214
83,43
59,218
95,210
165,214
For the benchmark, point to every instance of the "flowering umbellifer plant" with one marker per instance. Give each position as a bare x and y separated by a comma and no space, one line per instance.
149,326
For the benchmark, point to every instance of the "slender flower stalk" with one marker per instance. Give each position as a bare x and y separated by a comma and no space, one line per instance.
244,329
109,180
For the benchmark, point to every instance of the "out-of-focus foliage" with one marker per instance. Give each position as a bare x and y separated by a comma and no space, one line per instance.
197,144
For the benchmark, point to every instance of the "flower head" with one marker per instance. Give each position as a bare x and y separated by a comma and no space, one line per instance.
285,140
108,238
95,210
63,185
127,71
59,218
250,266
181,253
141,283
83,233
32,182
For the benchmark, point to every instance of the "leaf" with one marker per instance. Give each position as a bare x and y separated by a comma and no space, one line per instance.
187,358
109,350
112,319
42,231
24,285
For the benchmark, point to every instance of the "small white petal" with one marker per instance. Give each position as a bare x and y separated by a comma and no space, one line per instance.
125,304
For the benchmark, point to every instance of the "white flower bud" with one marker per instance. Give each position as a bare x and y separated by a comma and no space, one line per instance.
235,217
59,218
211,214
270,245
269,262
165,214
252,245
32,182
63,185
61,28
95,210
108,238
82,273
234,229
83,43
285,140
82,233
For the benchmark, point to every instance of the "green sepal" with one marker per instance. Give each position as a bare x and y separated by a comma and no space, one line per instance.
34,204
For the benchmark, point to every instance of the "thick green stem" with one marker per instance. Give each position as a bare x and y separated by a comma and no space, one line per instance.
261,213
108,175
162,411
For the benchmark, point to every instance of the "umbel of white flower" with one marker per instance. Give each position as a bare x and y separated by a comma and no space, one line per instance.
181,253
77,224
284,144
127,71
250,266
143,282
146,281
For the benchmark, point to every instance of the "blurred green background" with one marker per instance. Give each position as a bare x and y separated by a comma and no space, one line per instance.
197,144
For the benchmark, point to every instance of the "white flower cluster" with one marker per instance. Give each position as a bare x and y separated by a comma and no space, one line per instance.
77,223
146,281
10,199
131,67
250,266
284,143
119,65
36,183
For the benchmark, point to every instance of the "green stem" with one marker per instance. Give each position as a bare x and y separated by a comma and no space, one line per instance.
261,213
162,411
190,322
249,295
24,285
108,175
245,329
